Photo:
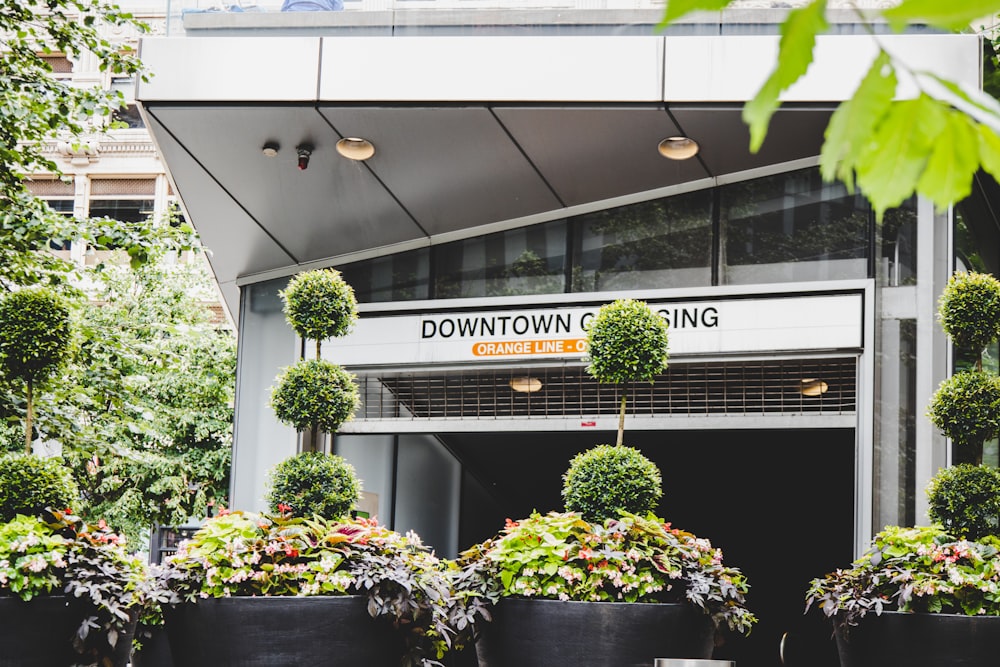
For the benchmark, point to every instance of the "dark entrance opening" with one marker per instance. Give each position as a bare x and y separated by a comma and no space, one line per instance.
779,503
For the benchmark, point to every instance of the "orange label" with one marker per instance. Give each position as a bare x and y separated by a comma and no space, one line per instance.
500,348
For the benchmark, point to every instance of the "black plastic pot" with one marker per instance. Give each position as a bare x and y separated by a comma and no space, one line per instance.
921,640
547,633
39,633
154,647
279,631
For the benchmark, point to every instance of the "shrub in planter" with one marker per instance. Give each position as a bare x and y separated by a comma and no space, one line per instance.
969,310
243,554
927,595
617,558
626,341
29,484
965,500
320,305
606,480
313,483
316,395
966,408
83,581
314,392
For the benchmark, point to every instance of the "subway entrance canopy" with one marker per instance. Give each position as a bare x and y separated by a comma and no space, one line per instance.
481,120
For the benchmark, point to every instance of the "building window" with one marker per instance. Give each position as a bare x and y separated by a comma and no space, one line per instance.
655,244
130,116
401,277
792,227
528,260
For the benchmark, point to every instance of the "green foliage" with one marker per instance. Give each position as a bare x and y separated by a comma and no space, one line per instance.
628,558
240,553
626,341
922,569
606,480
144,411
35,333
969,310
965,500
966,408
30,483
314,392
891,148
313,483
59,553
320,305
11,438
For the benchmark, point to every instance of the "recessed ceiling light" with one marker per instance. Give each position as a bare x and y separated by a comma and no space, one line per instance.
678,148
813,387
525,385
355,148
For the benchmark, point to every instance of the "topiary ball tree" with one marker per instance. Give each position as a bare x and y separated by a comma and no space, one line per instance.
606,480
320,305
314,393
969,311
965,500
30,483
35,337
627,341
966,408
313,483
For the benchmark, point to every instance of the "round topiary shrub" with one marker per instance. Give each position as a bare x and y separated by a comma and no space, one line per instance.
320,305
29,484
313,483
315,392
965,500
969,310
606,480
35,333
626,341
966,408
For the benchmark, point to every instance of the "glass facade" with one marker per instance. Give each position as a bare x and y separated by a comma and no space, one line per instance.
790,227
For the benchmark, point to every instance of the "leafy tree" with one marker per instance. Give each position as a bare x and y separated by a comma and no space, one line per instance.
35,336
144,411
37,108
891,148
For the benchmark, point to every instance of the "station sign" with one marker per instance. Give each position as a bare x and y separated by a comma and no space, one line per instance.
719,326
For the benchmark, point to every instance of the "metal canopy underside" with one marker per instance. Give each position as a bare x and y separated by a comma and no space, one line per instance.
439,172
473,134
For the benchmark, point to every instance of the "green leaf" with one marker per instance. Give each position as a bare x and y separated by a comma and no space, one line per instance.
893,161
854,121
989,150
795,54
678,8
953,161
941,13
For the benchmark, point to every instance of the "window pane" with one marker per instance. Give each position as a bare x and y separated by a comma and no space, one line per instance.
402,277
792,227
126,210
661,243
529,260
898,246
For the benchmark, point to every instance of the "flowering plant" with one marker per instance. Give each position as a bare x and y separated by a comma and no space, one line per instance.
245,553
630,558
921,569
56,552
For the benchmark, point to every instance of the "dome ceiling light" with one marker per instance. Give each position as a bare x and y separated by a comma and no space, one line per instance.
678,148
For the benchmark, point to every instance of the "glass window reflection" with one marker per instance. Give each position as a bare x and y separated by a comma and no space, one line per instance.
792,227
661,243
528,260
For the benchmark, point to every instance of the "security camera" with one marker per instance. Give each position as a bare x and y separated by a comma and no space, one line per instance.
304,152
